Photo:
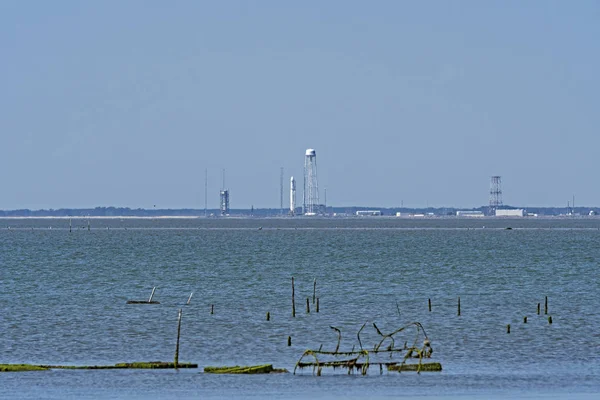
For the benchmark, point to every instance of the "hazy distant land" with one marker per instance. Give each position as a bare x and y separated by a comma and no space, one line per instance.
275,212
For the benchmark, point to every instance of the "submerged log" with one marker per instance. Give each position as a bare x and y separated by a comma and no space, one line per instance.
425,367
133,365
252,369
21,368
155,365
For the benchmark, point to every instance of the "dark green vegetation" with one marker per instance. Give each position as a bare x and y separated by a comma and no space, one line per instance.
253,369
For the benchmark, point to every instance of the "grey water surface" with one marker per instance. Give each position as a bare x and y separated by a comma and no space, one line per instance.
63,301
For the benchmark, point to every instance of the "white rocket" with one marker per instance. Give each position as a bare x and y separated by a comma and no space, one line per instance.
292,196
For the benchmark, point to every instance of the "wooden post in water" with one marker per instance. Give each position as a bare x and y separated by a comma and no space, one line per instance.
459,306
152,294
525,319
289,340
190,298
69,225
212,309
268,316
508,328
538,309
178,334
293,301
314,290
546,306
88,224
550,319
317,304
307,306
429,302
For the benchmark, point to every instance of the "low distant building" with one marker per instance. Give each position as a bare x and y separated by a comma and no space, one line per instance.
368,213
511,213
470,214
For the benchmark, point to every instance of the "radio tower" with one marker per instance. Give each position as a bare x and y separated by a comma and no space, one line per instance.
292,196
310,202
495,194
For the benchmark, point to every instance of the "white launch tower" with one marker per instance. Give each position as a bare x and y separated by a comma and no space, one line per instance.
311,188
292,196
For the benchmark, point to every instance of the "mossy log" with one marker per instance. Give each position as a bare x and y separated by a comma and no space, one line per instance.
252,369
155,364
21,367
133,365
425,367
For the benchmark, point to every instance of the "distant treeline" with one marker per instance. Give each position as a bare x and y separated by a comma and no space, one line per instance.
269,212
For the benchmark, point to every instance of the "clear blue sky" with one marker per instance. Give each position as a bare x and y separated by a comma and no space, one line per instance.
126,103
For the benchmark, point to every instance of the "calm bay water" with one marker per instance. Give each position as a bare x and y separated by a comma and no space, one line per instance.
63,301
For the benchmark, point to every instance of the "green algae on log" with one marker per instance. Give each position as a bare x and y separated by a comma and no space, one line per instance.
133,365
253,369
425,367
21,367
155,364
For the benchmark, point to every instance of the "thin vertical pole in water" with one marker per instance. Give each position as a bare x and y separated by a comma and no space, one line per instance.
314,290
429,302
307,306
538,308
293,301
88,224
152,295
190,298
546,306
69,225
317,304
508,328
212,309
178,334
459,306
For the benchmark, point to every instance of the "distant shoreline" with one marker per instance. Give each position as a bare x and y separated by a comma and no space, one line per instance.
301,217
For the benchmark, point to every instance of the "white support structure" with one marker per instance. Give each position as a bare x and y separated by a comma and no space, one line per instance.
310,204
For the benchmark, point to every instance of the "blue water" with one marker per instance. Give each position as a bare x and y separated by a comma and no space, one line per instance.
63,301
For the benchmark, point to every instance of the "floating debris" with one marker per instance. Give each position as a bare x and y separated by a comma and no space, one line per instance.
360,360
253,369
149,301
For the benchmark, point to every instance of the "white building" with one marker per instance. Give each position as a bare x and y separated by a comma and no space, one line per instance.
510,213
370,213
470,214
